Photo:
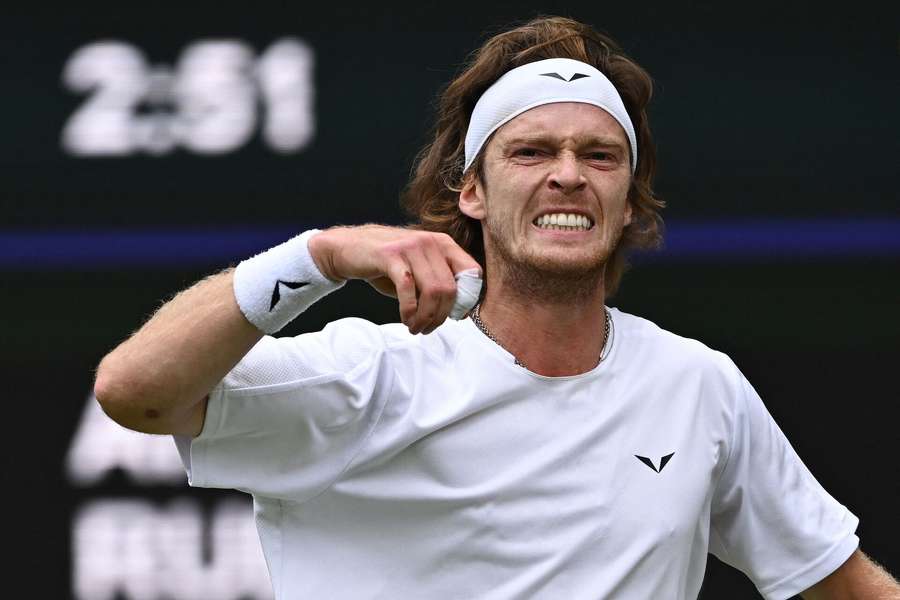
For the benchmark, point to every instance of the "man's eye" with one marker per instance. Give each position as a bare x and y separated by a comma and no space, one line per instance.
527,152
601,156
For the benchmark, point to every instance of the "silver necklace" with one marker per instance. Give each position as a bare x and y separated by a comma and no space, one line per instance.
475,315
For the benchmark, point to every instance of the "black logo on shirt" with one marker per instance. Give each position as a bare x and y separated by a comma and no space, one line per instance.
560,77
276,294
662,461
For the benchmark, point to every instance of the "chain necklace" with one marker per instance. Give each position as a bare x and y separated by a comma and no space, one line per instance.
475,315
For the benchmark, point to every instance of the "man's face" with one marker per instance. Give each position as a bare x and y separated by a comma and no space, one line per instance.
548,163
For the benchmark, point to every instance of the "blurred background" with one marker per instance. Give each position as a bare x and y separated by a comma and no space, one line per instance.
147,147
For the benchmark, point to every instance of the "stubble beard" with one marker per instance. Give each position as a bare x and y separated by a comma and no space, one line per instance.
536,278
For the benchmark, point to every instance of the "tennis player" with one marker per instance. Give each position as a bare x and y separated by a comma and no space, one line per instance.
545,446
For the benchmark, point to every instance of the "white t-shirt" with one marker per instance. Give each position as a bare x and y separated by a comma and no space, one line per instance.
386,465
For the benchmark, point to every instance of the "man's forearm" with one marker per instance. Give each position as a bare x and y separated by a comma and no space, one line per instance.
859,578
157,380
170,364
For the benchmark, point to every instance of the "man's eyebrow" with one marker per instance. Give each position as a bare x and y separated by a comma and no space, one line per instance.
582,141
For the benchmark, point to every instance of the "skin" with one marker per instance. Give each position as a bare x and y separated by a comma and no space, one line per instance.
158,380
545,289
544,300
859,578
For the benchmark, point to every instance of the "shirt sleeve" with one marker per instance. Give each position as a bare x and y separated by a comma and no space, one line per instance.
291,416
771,519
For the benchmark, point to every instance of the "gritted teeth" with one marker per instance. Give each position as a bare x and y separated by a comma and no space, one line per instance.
563,220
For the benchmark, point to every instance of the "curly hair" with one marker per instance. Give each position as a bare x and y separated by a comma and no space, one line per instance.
431,197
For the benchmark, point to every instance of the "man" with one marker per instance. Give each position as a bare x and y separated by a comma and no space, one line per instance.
544,447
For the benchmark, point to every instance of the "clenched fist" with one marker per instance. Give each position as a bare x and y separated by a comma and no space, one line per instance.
416,267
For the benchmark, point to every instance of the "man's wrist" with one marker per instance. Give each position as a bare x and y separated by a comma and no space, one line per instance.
321,250
273,287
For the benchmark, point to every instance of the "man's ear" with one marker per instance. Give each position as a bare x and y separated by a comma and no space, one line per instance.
627,213
471,197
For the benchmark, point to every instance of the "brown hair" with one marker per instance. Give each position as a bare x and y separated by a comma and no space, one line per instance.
432,195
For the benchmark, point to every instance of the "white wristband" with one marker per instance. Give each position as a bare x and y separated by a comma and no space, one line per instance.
273,287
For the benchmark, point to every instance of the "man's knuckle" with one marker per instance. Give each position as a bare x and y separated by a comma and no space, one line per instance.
444,241
399,270
448,289
443,290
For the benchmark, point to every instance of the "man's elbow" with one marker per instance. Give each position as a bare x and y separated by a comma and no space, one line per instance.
127,400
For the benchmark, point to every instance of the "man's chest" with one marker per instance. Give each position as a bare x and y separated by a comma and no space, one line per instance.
582,463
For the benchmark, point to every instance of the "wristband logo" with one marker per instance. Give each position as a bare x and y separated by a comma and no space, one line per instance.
662,461
276,294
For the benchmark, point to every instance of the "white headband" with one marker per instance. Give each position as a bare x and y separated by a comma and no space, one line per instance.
538,83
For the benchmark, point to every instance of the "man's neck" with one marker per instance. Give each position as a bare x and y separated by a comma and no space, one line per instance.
552,339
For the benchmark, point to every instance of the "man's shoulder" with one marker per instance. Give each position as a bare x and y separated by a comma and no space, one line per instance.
388,334
647,340
361,335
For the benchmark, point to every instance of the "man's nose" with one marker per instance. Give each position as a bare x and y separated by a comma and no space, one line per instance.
566,175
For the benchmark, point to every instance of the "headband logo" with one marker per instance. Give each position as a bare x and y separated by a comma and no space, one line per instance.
560,77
